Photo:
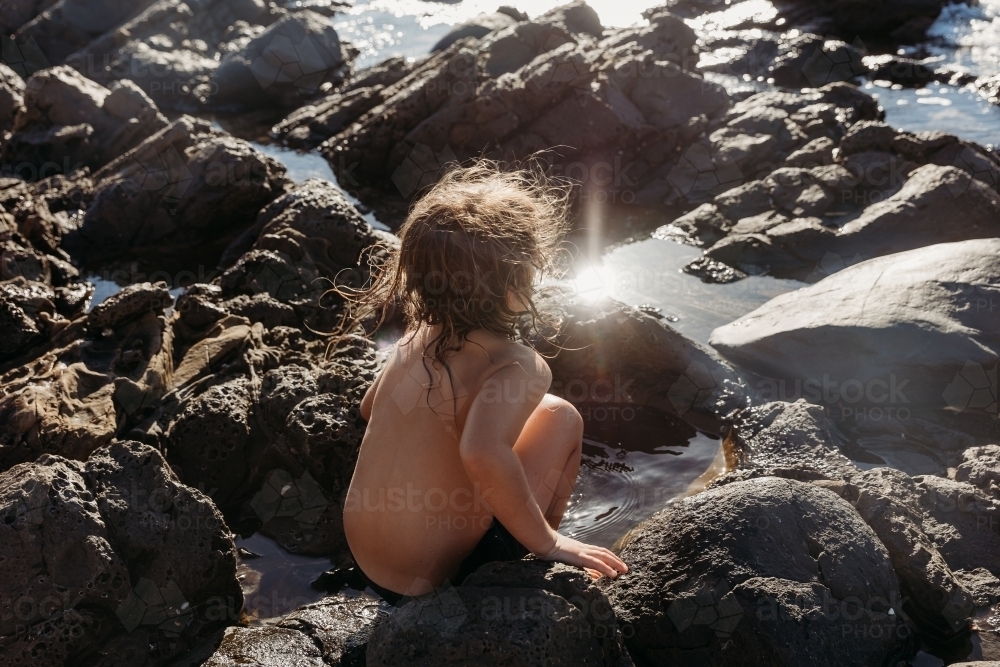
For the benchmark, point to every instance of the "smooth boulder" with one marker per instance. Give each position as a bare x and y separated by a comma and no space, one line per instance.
907,331
761,572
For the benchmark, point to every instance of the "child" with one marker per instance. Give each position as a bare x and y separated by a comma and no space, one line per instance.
466,457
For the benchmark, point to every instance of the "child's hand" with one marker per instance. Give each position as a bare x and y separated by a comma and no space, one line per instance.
569,551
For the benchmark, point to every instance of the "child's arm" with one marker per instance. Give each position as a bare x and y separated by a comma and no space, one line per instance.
494,422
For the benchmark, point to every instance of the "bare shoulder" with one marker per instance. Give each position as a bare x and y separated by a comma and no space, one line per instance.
514,359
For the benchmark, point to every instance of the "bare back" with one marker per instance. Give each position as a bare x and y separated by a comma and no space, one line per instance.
412,513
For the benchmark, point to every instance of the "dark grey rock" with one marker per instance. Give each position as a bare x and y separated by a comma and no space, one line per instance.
766,571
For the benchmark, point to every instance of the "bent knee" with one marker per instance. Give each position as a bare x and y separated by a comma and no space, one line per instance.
562,410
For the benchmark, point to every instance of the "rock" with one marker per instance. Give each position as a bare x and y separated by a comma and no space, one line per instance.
633,98
16,13
756,137
72,398
931,350
793,60
132,303
302,244
69,122
520,613
309,125
172,49
612,355
983,585
265,646
981,468
989,87
26,310
480,26
882,193
132,564
188,185
761,572
904,71
893,505
11,97
287,63
69,25
903,22
799,441
330,633
963,522
793,440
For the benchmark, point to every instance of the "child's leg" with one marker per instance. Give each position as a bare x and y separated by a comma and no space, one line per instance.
549,448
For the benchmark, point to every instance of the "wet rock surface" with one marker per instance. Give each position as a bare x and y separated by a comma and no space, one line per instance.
134,565
333,632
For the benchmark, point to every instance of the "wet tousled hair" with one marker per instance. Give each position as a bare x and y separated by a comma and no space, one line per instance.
479,233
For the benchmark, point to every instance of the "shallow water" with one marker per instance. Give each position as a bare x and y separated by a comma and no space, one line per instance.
275,582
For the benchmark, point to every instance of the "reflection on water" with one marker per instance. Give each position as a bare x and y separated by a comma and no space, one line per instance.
105,288
617,488
275,582
960,111
384,28
649,273
303,166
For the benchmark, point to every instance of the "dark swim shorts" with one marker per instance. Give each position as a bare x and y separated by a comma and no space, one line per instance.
497,545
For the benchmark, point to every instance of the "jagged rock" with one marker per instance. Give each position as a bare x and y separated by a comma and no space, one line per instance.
981,584
963,522
11,97
893,504
330,633
925,347
480,26
303,243
172,49
632,99
610,354
520,613
69,25
792,60
16,13
130,304
882,194
188,185
26,310
761,572
72,398
311,124
901,21
981,468
133,565
794,440
290,61
68,122
799,441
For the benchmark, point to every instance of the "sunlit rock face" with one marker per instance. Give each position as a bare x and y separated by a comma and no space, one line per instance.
831,204
908,323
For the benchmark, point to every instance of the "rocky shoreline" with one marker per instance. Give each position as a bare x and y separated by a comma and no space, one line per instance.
140,436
